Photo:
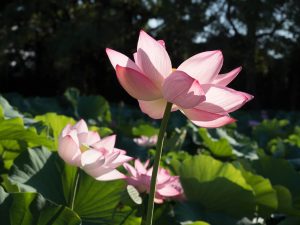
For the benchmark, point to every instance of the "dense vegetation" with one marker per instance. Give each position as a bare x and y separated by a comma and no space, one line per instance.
238,174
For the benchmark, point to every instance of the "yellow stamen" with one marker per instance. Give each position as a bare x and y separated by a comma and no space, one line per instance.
84,147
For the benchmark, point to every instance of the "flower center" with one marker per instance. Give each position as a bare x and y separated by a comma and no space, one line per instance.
84,147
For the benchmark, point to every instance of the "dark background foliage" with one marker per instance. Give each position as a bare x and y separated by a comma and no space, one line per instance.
49,45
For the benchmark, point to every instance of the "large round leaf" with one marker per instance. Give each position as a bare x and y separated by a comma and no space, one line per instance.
93,107
33,209
280,172
44,172
55,124
35,170
219,187
219,148
15,137
283,175
265,194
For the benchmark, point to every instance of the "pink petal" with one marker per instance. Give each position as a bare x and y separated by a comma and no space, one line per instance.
131,170
149,172
138,183
69,150
120,160
74,135
117,58
248,96
139,167
122,152
225,79
146,164
162,178
182,90
82,137
111,157
162,43
81,127
93,137
155,109
135,56
137,84
153,59
112,175
207,119
97,171
158,199
92,159
204,66
66,130
107,143
168,191
221,99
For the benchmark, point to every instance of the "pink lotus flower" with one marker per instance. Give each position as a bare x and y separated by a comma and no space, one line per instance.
195,88
167,186
145,141
97,157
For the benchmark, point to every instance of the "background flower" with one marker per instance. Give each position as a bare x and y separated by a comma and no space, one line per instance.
146,141
167,186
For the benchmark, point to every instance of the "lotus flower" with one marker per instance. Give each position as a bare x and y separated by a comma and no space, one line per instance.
97,157
145,141
195,88
167,186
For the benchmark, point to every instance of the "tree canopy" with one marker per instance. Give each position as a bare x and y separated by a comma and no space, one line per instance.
47,46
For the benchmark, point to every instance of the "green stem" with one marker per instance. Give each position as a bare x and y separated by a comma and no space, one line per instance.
75,188
159,147
144,208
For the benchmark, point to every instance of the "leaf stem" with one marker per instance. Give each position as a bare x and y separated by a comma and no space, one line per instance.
159,148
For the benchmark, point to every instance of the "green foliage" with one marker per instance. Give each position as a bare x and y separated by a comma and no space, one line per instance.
91,107
95,201
229,176
15,137
55,124
219,148
202,177
33,209
7,110
199,223
94,107
176,140
144,130
286,179
269,129
265,194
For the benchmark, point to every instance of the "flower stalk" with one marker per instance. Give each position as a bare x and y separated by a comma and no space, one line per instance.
75,188
159,148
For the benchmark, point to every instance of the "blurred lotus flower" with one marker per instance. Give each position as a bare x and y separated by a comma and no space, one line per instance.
97,157
253,123
264,115
167,186
145,141
195,88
